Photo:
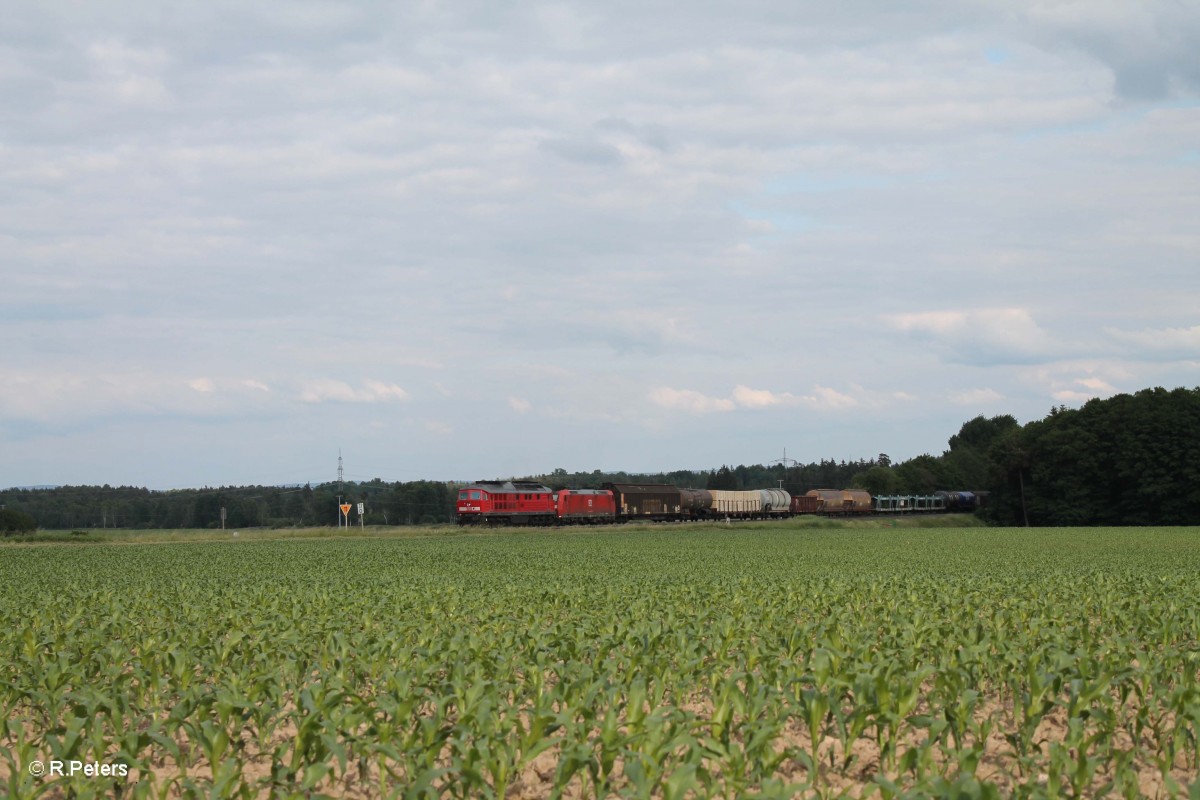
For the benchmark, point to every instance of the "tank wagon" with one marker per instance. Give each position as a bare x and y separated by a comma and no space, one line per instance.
776,502
697,503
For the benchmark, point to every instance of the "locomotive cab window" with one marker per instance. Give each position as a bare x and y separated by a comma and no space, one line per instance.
475,494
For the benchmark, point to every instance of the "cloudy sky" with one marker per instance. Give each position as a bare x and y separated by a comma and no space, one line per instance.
457,240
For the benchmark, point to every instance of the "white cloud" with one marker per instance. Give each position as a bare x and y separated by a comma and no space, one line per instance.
1097,385
822,398
1013,327
54,397
1080,390
689,401
130,74
976,397
746,397
520,405
1075,382
982,336
378,390
372,391
1159,343
825,398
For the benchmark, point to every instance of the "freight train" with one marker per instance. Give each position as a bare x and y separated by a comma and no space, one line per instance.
531,503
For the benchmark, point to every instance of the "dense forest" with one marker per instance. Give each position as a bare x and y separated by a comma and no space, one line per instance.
87,507
1127,460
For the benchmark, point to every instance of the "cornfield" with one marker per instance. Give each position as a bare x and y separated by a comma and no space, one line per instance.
666,663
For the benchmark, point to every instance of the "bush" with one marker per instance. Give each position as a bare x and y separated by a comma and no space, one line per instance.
15,522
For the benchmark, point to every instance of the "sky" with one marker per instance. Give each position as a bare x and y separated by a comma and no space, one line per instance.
469,240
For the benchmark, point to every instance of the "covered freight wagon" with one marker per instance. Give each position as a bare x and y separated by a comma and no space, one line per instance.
842,501
647,501
747,504
806,504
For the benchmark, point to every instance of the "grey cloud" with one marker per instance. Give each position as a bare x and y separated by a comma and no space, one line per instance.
583,151
984,337
640,331
1141,81
651,135
1150,47
1158,344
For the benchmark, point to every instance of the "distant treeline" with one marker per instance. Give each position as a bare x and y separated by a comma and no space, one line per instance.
1127,460
68,507
413,503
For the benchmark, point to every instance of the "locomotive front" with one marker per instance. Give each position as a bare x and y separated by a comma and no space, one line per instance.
506,503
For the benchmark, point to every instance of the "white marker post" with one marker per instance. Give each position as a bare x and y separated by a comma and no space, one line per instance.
361,507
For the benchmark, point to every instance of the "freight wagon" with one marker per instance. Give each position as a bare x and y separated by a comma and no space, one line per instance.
904,504
659,502
841,501
751,504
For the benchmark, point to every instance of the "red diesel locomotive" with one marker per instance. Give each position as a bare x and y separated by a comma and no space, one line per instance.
529,503
507,502
586,506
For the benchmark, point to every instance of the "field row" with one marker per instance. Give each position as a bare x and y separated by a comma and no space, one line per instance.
665,663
